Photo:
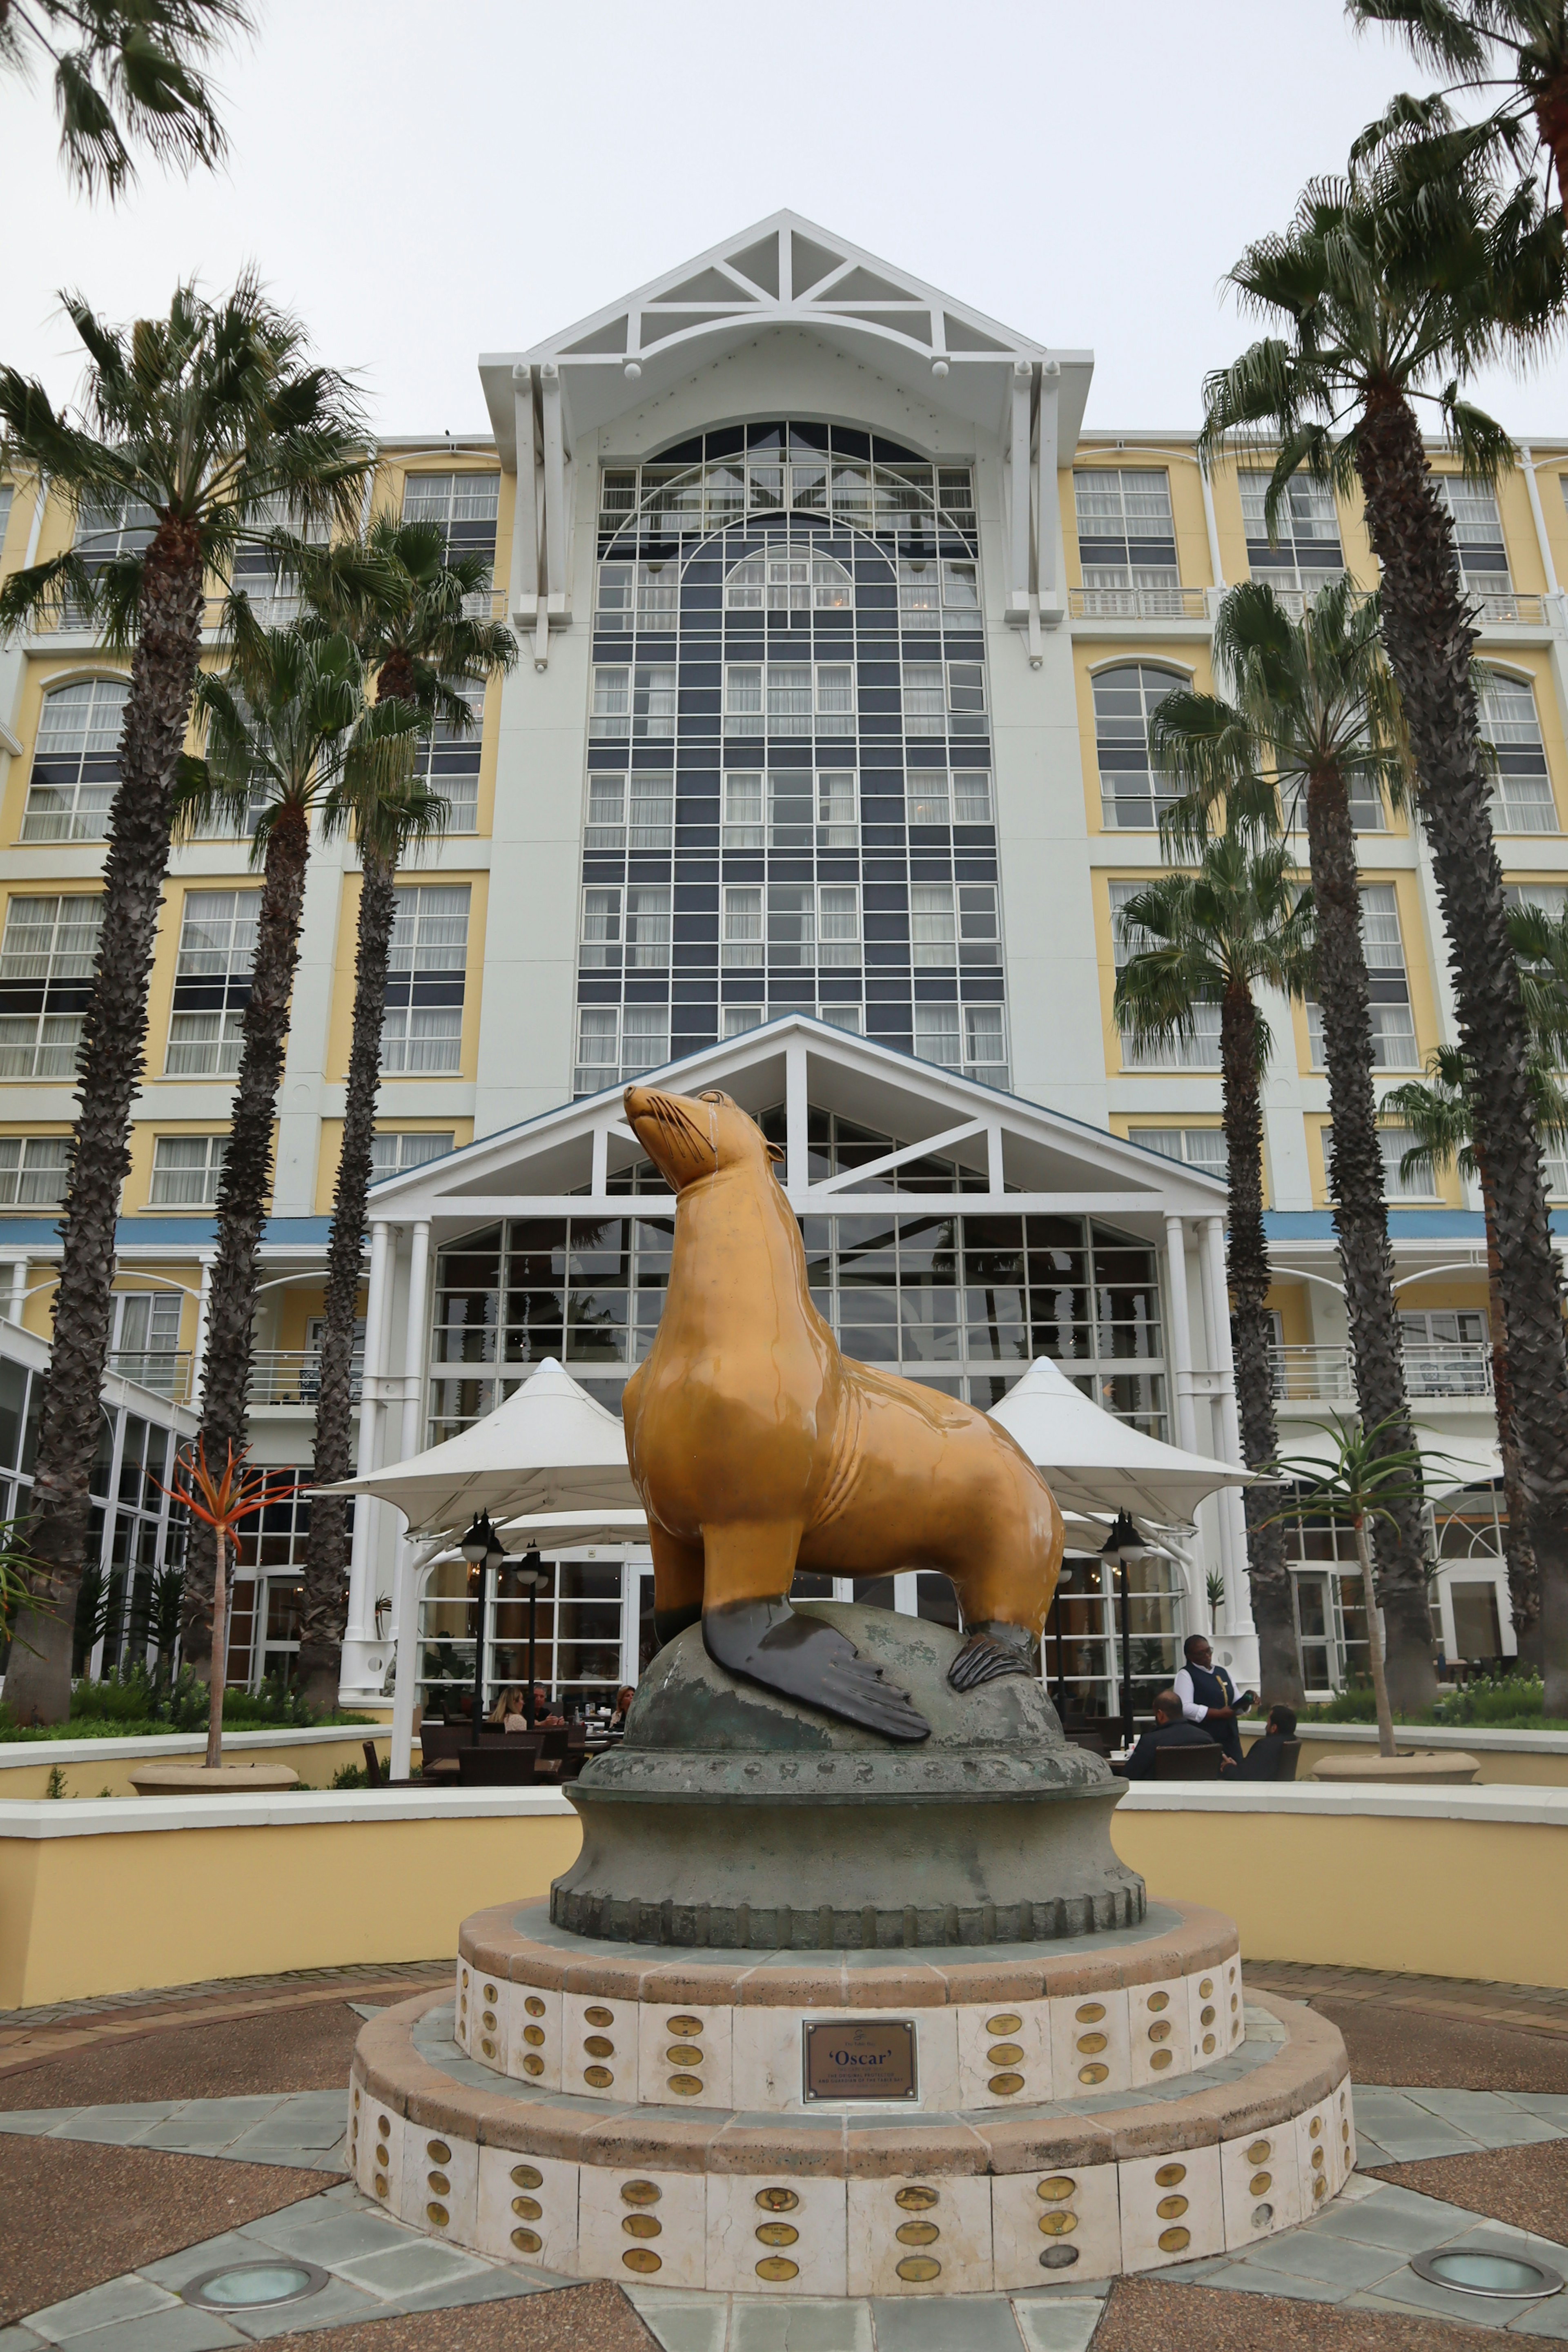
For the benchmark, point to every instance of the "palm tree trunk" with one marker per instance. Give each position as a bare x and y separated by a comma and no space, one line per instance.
1375,1644
1361,1226
1248,1271
1523,1584
217,1679
109,1065
246,1179
322,1615
1429,641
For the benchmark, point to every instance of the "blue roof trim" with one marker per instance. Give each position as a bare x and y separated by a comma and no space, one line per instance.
169,1233
1403,1224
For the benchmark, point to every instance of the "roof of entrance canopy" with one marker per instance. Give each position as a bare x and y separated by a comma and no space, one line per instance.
788,277
1013,1156
548,1448
1095,1463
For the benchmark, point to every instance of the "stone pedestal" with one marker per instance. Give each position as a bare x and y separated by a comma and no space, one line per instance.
811,2015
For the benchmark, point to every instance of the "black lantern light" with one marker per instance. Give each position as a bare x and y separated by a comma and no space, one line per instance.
482,1548
1121,1547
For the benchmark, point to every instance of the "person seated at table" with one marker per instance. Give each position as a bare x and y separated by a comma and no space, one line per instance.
510,1706
624,1698
1209,1698
1265,1757
1171,1730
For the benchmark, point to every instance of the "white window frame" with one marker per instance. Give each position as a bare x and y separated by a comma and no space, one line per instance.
1509,716
187,1171
34,1169
1193,1146
76,811
1200,1049
1393,1142
206,1043
641,595
399,1159
948,796
427,1041
789,699
1116,785
931,693
1133,524
45,1041
626,927
1383,942
790,579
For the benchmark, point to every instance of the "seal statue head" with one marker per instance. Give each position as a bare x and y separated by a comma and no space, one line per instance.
688,1137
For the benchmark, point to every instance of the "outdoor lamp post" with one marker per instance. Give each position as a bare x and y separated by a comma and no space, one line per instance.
481,1547
532,1576
1121,1547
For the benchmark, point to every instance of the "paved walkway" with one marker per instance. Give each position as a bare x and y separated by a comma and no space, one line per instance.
1356,2253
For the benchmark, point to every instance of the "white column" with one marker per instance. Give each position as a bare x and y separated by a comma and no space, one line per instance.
1232,1532
796,1144
1178,1355
199,1351
413,1562
360,1676
1212,527
1531,484
19,1289
414,1345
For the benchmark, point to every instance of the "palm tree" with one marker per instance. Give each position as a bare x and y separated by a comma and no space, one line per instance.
402,603
1436,1111
1313,716
287,732
1512,54
1383,301
206,419
125,70
1211,937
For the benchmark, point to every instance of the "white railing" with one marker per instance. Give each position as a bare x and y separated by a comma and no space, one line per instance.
1138,603
292,1376
1529,610
1325,1375
167,1370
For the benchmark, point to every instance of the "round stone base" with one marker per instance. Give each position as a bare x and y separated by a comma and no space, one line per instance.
192,1780
1434,1768
1094,2165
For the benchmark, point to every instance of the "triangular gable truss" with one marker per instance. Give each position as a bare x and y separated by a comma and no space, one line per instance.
786,268
1034,1160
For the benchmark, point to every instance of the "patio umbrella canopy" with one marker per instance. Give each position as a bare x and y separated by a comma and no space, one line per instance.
548,1448
1095,1463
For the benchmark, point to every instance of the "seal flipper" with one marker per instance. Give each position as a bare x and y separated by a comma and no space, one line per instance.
991,1650
805,1658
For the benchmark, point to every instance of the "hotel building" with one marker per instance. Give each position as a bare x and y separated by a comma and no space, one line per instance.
821,776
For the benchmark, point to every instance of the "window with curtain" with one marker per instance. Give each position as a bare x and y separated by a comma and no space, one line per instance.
211,984
186,1169
422,1032
1305,553
1392,1022
47,956
1197,1051
1132,792
76,761
1126,536
1523,798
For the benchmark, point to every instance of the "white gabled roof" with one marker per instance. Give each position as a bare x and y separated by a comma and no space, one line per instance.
1032,1156
784,271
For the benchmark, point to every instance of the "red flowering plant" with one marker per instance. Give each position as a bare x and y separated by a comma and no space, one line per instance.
223,1501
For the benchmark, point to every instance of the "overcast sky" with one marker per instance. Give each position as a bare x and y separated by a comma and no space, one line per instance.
423,183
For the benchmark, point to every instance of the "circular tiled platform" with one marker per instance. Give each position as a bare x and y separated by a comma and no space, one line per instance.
1042,2139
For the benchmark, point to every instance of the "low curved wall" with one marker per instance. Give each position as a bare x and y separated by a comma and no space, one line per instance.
104,1897
1438,1882
1507,1759
98,1768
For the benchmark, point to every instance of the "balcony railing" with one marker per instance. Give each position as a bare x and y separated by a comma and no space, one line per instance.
1529,610
292,1376
1325,1375
1138,603
167,1370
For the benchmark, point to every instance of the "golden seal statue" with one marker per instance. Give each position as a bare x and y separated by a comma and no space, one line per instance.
758,1448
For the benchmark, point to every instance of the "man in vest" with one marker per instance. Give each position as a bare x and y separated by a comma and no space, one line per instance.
1209,1696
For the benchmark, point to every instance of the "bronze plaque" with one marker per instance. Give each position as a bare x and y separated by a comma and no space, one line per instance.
861,2059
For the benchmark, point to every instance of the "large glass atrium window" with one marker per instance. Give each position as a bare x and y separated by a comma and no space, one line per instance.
963,1302
789,737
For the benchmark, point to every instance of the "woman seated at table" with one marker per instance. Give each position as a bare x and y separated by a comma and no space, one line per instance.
510,1708
624,1698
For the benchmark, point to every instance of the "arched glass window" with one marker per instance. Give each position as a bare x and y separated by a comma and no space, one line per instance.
1132,794
1522,798
788,579
75,764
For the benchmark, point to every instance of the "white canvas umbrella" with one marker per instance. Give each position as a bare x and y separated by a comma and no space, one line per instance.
550,1450
549,1447
1095,1463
